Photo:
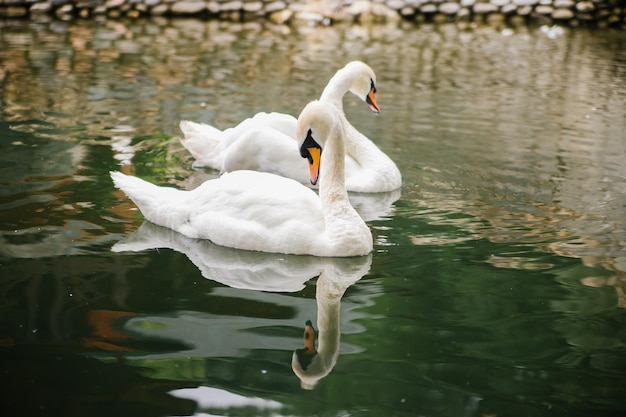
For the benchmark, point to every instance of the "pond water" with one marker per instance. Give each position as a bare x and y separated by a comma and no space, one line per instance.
497,282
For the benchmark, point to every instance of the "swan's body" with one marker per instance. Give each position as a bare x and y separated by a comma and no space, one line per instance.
367,168
265,212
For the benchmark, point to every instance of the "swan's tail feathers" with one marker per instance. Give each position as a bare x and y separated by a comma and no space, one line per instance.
203,142
151,199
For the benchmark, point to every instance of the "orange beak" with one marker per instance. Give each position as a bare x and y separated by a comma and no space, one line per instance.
309,338
371,101
314,164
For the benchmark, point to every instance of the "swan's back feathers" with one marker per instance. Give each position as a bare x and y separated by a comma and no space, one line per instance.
264,148
154,202
243,209
203,142
211,146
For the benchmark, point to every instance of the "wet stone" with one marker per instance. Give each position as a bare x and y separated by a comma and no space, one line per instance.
484,8
563,4
449,8
43,7
543,9
188,7
562,14
396,4
585,6
428,8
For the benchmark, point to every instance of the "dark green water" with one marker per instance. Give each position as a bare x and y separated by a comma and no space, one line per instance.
497,284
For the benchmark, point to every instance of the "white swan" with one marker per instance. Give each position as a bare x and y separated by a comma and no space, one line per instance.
265,212
254,143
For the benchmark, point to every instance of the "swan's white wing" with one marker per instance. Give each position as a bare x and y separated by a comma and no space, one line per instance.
243,209
266,149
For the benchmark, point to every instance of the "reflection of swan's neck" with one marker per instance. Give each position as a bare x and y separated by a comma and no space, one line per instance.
328,298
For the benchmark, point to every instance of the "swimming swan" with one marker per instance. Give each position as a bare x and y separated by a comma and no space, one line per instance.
255,144
265,212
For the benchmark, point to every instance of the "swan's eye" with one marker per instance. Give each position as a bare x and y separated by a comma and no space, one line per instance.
372,85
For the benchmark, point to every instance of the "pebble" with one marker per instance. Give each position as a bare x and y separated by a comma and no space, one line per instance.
605,12
585,6
562,14
484,8
450,8
543,9
188,7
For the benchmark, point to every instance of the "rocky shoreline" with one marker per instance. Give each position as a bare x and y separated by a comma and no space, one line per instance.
602,13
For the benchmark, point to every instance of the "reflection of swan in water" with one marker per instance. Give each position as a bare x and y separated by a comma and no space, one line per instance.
267,272
311,364
243,269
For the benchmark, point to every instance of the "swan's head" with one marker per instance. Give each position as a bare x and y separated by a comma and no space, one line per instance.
315,125
305,362
363,83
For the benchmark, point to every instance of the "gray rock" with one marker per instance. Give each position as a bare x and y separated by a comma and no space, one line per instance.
464,12
467,3
563,4
188,7
160,9
113,4
396,4
484,8
500,3
275,6
65,9
281,17
42,7
562,14
415,4
213,7
543,9
508,9
252,6
450,8
585,6
428,8
231,6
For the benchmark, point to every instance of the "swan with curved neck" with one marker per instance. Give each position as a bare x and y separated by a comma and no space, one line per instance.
265,212
368,169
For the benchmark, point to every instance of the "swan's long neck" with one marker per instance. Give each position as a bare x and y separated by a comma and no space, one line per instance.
336,88
332,189
344,226
377,166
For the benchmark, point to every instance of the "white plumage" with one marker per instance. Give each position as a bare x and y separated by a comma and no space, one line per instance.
265,212
266,142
